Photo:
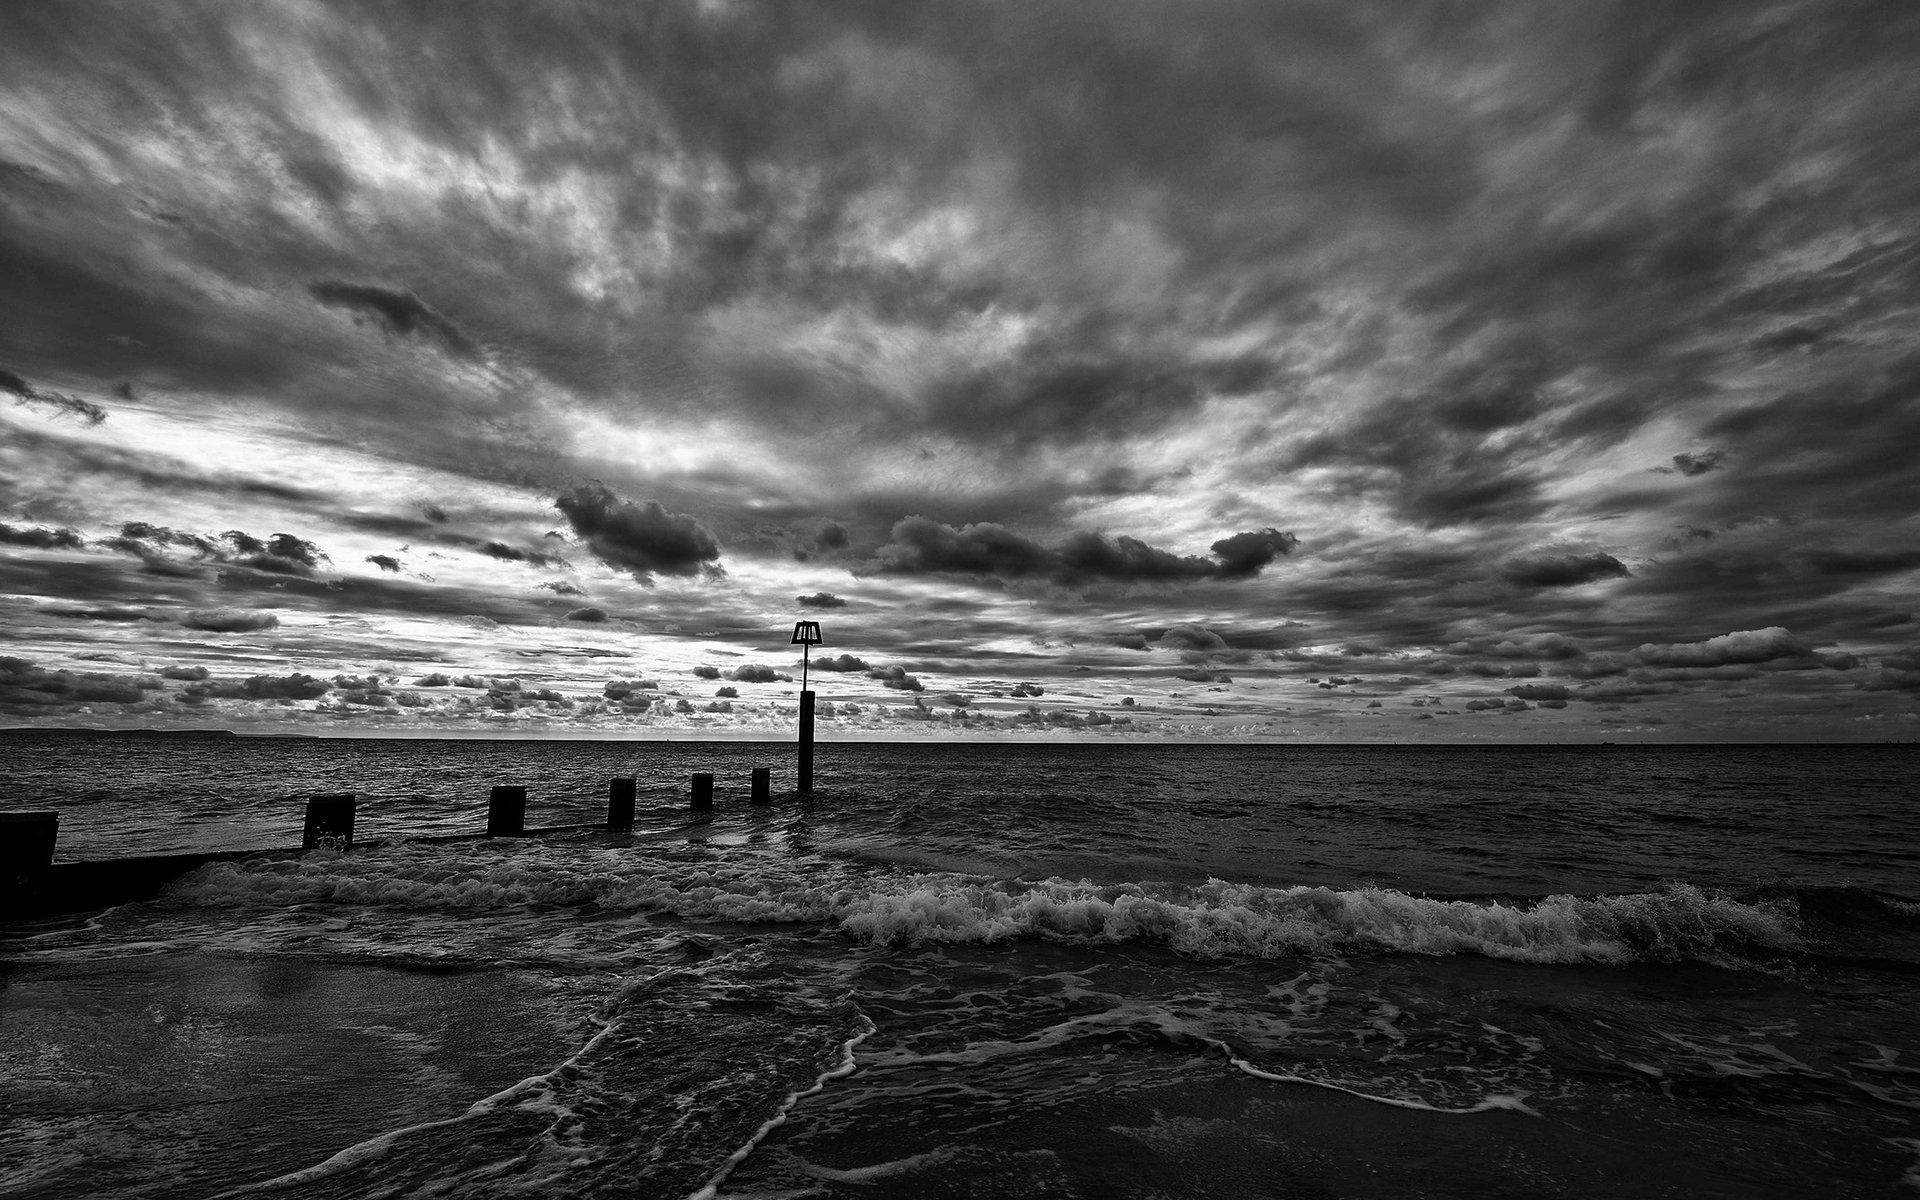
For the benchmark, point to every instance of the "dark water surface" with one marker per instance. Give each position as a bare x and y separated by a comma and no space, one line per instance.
979,970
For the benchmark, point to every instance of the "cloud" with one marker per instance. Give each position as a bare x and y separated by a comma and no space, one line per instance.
41,538
229,620
26,393
28,688
399,310
820,600
1690,464
385,562
281,554
561,587
109,613
295,686
1128,641
506,553
646,539
757,673
920,546
896,677
187,673
1741,646
1540,691
706,671
589,614
1561,570
842,663
1245,554
1192,637
1203,675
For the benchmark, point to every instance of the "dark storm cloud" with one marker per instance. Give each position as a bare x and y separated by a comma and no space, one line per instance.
1445,257
644,539
1246,554
820,600
1567,570
386,562
399,310
589,615
41,537
924,547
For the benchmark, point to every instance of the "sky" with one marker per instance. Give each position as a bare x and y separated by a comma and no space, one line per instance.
1353,371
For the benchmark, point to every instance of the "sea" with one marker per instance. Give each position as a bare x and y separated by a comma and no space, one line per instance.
1034,970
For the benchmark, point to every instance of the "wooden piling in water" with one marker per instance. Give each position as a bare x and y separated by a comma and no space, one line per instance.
26,846
763,785
507,812
702,791
620,792
329,823
806,741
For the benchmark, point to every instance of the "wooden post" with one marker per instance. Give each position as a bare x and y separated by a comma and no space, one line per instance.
507,812
620,803
26,846
763,785
702,791
806,741
329,823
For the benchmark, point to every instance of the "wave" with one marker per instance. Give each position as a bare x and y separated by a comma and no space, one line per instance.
1214,920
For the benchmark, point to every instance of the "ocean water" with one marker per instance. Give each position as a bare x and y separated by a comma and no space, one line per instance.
977,970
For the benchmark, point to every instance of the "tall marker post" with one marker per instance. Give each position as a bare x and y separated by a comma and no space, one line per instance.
806,635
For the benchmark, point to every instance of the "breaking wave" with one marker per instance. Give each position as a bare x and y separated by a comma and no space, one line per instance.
1214,920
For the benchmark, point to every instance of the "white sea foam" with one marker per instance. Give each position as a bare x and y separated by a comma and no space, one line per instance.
1216,920
1488,1104
843,1068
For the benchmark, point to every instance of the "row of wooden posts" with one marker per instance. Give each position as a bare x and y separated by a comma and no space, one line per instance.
330,818
27,838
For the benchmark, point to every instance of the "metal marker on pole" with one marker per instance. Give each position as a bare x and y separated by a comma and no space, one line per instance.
806,635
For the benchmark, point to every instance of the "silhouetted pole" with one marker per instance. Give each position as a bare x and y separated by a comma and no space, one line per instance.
763,785
806,635
620,803
507,812
702,791
806,741
329,823
26,846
